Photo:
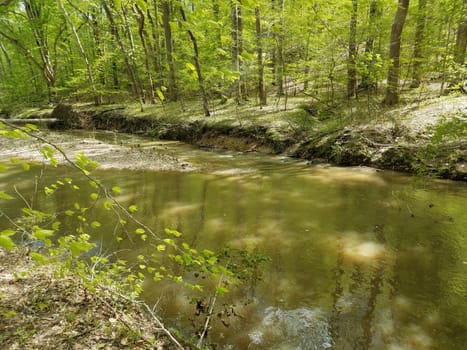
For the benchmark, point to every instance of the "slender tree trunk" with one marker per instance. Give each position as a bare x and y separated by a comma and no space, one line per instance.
461,38
156,42
392,91
142,35
97,98
34,13
352,60
132,56
259,49
171,82
6,66
280,69
202,90
116,34
418,47
369,75
237,46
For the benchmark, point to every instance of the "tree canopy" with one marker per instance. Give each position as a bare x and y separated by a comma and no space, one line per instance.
156,50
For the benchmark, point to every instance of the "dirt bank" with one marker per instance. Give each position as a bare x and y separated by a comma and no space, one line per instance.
426,137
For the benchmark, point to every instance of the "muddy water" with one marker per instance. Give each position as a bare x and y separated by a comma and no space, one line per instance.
359,259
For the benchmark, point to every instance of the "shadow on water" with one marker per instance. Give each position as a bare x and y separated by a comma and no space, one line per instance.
360,259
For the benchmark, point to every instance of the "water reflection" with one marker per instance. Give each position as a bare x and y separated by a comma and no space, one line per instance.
360,259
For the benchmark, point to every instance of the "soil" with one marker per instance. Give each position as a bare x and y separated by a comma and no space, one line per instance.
41,311
108,155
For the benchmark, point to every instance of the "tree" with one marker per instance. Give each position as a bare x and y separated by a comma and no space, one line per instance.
259,47
169,49
418,46
199,75
97,99
352,60
461,37
237,46
392,91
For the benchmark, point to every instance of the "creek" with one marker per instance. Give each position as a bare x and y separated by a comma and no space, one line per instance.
358,258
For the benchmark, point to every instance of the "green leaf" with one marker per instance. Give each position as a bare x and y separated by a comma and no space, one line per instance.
41,233
132,208
108,205
69,213
4,195
172,232
160,95
140,231
31,127
190,66
94,196
56,225
78,247
7,232
221,291
39,259
95,224
161,247
116,190
6,242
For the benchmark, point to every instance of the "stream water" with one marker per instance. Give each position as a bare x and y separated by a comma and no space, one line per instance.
359,259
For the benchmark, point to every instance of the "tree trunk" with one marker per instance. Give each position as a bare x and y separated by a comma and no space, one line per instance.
156,45
259,49
461,38
369,75
202,90
171,82
418,47
34,13
280,69
116,34
97,98
392,91
142,36
352,60
132,56
237,46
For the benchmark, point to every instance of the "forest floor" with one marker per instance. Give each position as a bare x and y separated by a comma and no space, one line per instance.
41,311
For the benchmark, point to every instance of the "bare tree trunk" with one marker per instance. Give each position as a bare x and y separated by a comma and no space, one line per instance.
155,45
142,35
369,75
418,47
97,98
280,69
352,61
34,12
116,34
237,45
392,91
171,82
259,48
202,90
461,38
139,87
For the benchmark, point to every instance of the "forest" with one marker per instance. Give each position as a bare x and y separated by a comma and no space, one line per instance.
155,51
233,174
